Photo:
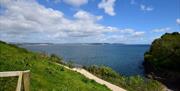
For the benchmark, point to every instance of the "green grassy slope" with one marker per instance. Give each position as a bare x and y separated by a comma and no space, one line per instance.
45,76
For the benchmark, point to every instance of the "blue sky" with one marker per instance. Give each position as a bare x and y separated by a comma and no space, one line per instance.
87,21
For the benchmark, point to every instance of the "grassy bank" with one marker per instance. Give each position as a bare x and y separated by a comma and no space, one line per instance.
45,76
133,83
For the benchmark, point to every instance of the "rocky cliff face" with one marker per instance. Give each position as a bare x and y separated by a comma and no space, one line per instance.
162,61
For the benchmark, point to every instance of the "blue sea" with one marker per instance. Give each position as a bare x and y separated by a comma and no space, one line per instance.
125,59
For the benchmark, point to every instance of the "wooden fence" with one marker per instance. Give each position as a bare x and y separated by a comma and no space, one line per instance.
23,78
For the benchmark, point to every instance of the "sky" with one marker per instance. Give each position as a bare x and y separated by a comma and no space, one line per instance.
88,21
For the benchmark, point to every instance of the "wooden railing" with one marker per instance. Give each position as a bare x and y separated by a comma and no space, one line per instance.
23,78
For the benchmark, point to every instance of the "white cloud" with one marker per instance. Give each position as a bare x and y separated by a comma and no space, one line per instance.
86,16
178,21
132,32
167,29
138,34
143,7
108,6
28,21
76,3
146,8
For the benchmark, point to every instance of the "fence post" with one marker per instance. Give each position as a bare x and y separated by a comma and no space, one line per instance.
18,88
26,80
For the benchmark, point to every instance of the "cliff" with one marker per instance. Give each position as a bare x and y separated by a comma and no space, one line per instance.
162,61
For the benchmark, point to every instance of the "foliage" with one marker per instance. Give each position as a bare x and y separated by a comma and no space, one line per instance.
133,83
165,52
45,74
70,64
163,59
55,58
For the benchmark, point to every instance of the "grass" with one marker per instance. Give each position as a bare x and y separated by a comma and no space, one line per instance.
133,83
45,76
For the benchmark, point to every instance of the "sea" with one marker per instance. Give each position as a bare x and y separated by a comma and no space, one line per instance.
123,58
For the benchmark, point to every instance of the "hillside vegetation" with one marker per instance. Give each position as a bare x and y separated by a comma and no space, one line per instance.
162,61
133,83
45,75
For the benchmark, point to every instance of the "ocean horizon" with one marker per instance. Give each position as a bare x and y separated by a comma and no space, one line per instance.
125,59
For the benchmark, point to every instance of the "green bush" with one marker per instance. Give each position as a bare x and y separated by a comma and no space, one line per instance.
162,61
55,58
132,83
164,52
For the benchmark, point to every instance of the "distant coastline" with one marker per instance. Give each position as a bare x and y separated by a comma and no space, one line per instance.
117,56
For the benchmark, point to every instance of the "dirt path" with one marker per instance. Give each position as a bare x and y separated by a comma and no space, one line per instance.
98,80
